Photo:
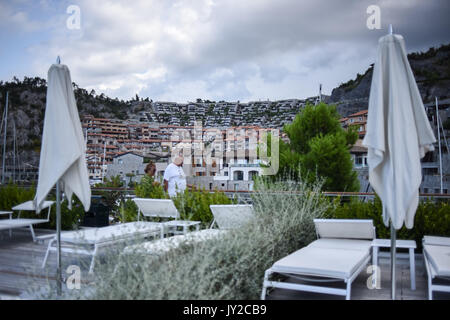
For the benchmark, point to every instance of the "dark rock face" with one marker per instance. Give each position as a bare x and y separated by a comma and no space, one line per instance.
431,70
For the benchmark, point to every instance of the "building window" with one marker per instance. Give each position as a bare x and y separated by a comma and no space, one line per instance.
252,174
238,175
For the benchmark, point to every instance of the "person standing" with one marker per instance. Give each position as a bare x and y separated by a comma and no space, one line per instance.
148,187
150,171
174,177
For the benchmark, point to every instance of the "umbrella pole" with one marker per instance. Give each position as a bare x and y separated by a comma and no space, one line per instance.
58,237
393,258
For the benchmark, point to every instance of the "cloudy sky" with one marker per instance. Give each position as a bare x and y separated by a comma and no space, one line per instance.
212,49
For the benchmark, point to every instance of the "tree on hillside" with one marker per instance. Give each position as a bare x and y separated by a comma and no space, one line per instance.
318,148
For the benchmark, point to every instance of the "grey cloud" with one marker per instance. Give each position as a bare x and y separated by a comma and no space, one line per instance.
263,42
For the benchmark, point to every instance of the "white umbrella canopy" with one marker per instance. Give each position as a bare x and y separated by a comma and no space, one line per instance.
62,159
398,133
63,150
398,136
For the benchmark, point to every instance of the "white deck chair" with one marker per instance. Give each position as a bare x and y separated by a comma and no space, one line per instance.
436,253
340,254
164,208
226,217
9,224
89,241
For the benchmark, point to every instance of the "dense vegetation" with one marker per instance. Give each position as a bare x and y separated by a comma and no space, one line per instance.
432,217
318,149
12,195
230,266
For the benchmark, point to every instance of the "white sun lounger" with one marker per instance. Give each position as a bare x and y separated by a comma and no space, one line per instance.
436,253
9,224
162,246
164,208
226,217
89,241
340,254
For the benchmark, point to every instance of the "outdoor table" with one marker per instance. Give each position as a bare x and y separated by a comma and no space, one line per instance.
10,217
402,244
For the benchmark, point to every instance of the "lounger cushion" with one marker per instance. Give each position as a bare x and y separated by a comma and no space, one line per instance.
162,246
29,206
437,241
17,223
111,233
4,227
439,258
326,243
323,262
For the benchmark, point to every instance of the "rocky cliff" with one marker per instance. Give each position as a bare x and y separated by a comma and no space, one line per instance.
431,70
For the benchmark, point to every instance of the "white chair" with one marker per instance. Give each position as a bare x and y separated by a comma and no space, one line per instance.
436,253
340,254
90,241
165,209
9,224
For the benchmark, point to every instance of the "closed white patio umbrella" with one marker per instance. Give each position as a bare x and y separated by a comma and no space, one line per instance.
62,158
398,136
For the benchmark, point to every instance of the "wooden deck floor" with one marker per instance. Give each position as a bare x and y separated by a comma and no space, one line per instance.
20,264
21,259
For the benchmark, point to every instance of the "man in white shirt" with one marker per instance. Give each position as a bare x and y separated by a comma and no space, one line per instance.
174,177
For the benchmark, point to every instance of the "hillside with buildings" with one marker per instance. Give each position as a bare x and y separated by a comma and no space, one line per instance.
431,70
141,129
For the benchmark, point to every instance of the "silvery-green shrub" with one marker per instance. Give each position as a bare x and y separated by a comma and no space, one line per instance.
230,266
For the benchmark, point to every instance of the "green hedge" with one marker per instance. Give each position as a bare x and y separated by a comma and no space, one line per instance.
230,266
12,195
194,204
149,188
432,218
